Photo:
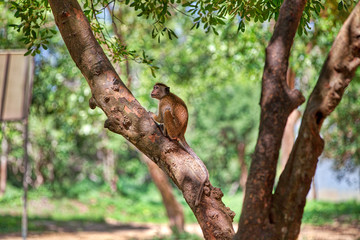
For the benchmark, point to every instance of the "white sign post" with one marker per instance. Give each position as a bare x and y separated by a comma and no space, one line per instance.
16,77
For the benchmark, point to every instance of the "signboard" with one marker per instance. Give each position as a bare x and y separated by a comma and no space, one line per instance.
15,84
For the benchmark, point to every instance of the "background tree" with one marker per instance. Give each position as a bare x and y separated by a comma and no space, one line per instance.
266,179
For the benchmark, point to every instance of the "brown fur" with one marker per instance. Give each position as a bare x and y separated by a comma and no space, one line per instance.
173,114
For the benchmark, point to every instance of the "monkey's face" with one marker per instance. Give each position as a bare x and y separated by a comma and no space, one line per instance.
159,91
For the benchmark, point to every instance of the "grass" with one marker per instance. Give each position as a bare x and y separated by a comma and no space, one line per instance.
97,205
320,212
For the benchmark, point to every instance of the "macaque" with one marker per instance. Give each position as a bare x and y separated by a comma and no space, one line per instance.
173,114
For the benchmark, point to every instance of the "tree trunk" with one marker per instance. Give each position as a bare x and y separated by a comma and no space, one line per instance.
287,203
294,184
127,117
4,159
243,166
173,208
277,102
314,190
26,180
107,157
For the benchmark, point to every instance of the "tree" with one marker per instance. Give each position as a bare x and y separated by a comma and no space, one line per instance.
265,215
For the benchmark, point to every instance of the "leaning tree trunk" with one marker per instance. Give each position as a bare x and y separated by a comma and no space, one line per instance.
294,184
243,166
173,208
280,213
127,117
277,102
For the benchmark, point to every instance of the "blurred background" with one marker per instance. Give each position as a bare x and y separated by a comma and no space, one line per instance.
81,173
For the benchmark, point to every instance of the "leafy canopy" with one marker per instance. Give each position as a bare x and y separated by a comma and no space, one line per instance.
34,19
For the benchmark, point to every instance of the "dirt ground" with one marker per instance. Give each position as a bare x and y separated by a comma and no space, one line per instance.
117,231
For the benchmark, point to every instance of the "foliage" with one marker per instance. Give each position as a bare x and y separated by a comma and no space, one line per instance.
91,205
211,14
99,203
343,135
9,38
225,100
218,77
34,16
219,82
340,131
319,213
62,127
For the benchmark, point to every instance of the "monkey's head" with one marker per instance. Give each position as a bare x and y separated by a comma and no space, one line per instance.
160,90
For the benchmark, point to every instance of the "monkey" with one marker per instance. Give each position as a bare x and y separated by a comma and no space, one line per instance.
173,115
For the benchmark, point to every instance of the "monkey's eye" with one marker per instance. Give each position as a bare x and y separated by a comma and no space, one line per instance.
156,87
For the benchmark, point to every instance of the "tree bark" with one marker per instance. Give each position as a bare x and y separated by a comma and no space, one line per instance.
127,117
243,166
173,208
107,157
294,184
119,34
277,102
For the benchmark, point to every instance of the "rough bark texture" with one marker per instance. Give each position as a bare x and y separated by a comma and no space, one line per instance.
127,117
174,209
277,102
294,184
278,216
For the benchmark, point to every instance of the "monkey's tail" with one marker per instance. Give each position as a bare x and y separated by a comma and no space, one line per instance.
202,165
188,148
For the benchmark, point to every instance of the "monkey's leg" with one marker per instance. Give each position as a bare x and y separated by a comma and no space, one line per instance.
161,127
172,127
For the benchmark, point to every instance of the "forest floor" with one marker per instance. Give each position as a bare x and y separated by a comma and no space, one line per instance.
111,230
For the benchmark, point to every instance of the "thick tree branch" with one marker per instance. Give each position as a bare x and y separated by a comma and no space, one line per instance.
294,184
127,117
277,102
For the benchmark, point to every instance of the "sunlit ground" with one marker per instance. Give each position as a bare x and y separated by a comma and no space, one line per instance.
98,214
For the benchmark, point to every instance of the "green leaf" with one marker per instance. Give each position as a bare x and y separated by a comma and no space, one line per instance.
214,30
169,34
340,6
220,21
28,53
153,72
193,26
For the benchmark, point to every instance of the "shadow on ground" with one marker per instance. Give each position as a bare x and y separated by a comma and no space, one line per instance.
12,224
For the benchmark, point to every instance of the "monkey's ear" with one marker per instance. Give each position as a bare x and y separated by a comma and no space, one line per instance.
167,90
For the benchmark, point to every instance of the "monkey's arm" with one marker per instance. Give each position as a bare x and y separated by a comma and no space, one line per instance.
157,118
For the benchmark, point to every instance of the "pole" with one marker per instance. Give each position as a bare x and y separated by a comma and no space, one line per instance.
24,226
4,156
